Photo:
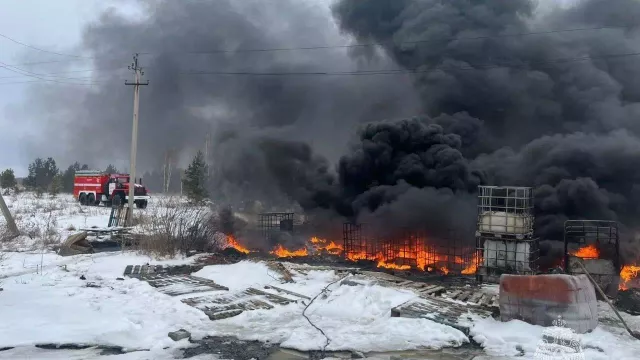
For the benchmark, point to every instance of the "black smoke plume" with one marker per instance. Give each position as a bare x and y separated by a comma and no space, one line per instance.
181,40
554,111
506,96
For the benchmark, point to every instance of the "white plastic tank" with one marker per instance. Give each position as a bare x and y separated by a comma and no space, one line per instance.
507,254
499,222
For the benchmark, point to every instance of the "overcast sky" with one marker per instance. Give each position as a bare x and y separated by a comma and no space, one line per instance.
54,25
51,25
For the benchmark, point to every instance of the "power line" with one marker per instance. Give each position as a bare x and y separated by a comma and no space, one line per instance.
54,74
324,47
37,48
515,66
31,74
222,51
96,82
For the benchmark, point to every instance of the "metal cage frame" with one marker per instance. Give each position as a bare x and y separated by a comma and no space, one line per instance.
519,257
269,223
356,245
604,234
410,248
511,206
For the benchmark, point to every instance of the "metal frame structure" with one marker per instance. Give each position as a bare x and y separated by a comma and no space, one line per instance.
497,256
457,259
271,223
508,209
409,248
405,248
603,234
357,246
605,237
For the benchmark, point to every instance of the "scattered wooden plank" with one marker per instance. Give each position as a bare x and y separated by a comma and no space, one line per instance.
486,300
433,291
405,283
464,296
427,288
287,292
271,297
441,311
475,297
454,294
128,270
494,301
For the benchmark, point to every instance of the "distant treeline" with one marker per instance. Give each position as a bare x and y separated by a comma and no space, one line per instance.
45,176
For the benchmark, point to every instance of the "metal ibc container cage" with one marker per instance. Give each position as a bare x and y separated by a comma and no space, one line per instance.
505,243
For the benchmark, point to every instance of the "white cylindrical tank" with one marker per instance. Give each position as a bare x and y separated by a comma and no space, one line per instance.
507,254
499,222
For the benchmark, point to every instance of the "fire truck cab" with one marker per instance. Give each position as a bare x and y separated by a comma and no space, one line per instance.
91,187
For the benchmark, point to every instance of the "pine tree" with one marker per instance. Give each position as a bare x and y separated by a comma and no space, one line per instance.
111,169
195,178
56,185
8,179
41,174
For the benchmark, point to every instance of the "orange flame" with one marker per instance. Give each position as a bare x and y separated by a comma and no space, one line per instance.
473,268
280,251
628,273
232,242
425,260
321,244
587,252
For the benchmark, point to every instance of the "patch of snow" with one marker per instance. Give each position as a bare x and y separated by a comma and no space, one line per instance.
353,317
239,276
57,307
506,338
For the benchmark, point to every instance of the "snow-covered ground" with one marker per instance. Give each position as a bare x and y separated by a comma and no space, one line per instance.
44,300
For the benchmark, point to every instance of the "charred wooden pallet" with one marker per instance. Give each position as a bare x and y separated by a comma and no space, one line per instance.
136,271
441,311
172,284
175,285
468,296
219,307
473,297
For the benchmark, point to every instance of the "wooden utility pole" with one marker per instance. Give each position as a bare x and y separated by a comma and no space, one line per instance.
134,133
168,167
7,215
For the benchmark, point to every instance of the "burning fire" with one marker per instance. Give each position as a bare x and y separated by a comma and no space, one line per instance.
473,268
280,251
628,273
231,242
321,244
425,260
587,252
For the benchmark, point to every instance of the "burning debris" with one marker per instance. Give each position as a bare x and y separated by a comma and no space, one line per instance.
629,275
233,243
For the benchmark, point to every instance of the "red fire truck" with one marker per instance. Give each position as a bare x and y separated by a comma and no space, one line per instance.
92,187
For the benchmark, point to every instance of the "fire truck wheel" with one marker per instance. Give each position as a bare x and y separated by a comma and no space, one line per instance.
83,199
91,200
142,204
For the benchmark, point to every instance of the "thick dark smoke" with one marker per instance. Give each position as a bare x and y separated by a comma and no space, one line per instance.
507,96
554,111
177,110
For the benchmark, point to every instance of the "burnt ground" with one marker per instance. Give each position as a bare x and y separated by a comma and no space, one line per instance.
231,348
629,301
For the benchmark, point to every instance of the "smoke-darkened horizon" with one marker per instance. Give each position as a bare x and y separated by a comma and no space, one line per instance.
554,111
